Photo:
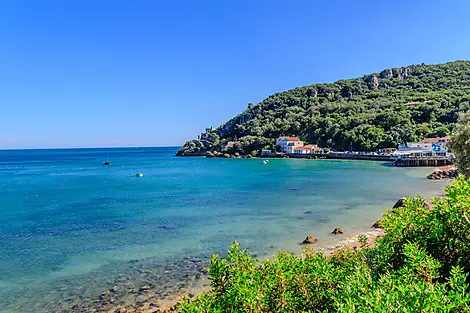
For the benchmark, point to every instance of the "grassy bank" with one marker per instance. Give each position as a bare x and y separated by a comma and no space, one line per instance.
421,264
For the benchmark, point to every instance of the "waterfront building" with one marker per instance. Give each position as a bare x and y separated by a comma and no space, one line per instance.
288,144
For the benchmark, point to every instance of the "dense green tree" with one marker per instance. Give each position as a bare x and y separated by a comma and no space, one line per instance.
382,109
461,143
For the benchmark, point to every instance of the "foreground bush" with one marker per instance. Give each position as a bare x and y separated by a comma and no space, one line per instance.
420,265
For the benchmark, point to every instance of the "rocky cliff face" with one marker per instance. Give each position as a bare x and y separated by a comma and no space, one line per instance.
401,73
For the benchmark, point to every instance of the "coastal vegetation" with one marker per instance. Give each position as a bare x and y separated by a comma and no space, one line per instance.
421,264
383,109
461,143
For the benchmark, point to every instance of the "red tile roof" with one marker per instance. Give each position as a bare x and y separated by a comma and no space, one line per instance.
290,138
229,144
427,140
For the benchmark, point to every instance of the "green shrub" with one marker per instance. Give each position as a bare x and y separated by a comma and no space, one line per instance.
420,265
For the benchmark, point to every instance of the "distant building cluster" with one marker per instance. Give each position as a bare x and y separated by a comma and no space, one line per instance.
428,147
293,145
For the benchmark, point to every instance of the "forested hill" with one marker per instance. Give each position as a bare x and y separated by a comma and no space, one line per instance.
377,110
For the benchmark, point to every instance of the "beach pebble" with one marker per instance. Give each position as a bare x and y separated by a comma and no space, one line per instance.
145,288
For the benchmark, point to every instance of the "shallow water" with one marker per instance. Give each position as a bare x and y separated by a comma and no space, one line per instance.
71,228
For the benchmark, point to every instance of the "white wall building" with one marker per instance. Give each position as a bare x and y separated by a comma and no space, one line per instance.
410,146
288,144
426,144
307,149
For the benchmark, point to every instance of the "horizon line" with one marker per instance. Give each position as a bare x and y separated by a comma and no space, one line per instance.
95,147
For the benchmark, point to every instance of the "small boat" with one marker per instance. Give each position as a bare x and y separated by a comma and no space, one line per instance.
265,161
107,160
139,175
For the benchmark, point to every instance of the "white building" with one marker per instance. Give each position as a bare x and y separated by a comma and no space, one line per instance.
441,141
288,144
302,150
410,146
426,144
421,154
266,152
307,149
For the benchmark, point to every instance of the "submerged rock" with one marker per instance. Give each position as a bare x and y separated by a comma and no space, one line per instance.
337,231
145,288
310,240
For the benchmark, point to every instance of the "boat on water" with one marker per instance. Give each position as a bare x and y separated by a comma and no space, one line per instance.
139,175
265,161
107,160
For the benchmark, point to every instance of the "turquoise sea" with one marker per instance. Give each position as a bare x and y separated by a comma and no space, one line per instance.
71,228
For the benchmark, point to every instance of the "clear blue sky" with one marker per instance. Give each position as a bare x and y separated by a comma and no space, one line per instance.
81,73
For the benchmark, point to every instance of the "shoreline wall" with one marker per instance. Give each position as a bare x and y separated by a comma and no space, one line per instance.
424,162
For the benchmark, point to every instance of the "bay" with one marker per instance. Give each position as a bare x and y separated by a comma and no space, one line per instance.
71,228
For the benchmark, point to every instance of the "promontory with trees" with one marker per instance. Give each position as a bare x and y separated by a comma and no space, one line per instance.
381,109
420,263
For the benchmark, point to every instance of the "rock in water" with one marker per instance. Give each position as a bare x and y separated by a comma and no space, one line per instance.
378,224
337,231
145,288
399,203
310,240
446,174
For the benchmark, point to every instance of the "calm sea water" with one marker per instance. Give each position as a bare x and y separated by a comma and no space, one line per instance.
71,228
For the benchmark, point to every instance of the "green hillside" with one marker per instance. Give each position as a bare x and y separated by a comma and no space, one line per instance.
377,110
